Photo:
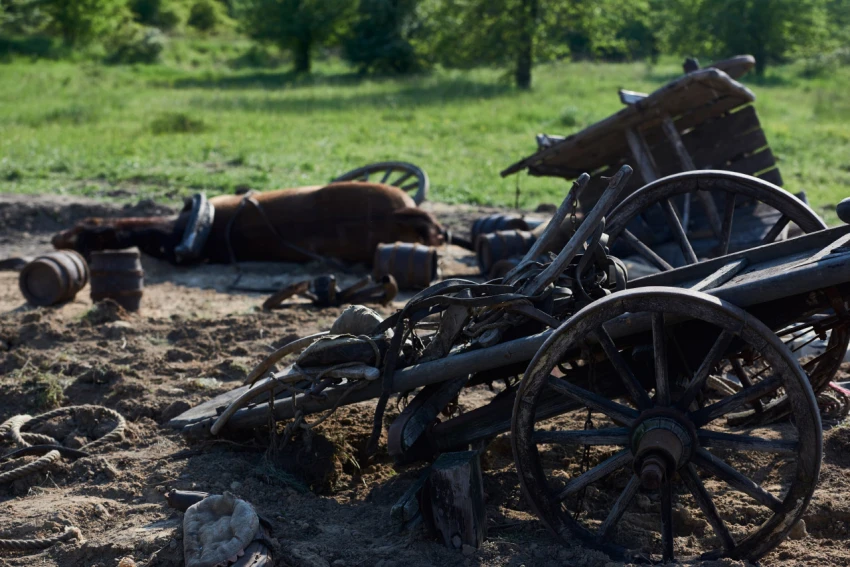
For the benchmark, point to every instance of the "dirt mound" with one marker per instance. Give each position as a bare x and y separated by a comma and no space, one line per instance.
36,214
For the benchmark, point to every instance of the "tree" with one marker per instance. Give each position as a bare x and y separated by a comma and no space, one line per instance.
771,30
527,22
381,37
80,22
296,25
504,33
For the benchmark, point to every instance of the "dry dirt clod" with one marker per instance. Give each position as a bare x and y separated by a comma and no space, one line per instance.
304,558
798,530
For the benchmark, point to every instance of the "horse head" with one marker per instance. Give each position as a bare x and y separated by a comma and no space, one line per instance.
416,225
156,236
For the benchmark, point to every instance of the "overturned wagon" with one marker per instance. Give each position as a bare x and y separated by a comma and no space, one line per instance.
706,180
636,395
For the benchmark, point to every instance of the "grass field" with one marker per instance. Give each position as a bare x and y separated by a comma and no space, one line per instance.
197,122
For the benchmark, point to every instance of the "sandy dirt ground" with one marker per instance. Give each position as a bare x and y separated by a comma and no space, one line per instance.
193,340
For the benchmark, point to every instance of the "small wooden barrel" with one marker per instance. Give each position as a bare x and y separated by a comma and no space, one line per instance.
54,278
490,248
117,275
414,266
497,222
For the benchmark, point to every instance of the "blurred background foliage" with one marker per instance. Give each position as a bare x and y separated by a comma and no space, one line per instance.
412,36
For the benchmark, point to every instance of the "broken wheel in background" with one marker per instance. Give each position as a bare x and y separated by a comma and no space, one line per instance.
405,176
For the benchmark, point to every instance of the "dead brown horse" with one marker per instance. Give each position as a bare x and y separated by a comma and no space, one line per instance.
345,221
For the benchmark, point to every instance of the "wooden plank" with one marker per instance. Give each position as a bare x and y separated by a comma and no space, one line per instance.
491,420
709,91
719,156
672,135
801,247
754,163
419,416
454,500
721,276
643,157
405,512
701,114
720,129
735,67
687,164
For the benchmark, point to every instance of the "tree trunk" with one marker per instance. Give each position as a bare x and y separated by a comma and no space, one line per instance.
760,53
525,47
301,51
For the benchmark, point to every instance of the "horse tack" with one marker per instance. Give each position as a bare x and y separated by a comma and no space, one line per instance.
198,228
323,292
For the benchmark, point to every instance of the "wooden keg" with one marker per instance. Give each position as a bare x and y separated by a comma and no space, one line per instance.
414,266
53,278
490,248
117,275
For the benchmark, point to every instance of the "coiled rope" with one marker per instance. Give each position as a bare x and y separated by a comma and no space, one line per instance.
40,543
11,430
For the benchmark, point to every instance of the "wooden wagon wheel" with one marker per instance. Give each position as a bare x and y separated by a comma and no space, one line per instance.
657,199
660,440
409,178
659,196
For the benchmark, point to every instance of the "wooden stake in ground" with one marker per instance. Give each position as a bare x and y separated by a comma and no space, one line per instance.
453,500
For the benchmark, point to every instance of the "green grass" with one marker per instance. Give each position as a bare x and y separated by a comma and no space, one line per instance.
204,122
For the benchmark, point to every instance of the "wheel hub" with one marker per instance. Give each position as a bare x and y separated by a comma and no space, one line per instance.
662,442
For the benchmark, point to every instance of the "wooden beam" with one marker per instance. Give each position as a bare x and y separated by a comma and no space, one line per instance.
453,500
687,163
643,157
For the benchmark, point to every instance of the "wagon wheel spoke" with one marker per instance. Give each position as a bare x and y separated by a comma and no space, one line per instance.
633,387
736,400
722,470
776,229
405,176
738,442
667,520
678,231
619,413
659,349
600,471
746,382
645,251
619,508
706,504
686,212
387,175
726,229
607,436
712,358
411,185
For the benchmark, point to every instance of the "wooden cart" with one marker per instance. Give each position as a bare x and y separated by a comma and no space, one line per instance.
703,122
633,395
